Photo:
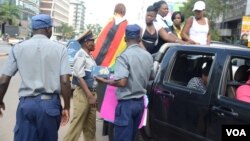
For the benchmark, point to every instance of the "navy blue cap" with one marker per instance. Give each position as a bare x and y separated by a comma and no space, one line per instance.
132,31
41,21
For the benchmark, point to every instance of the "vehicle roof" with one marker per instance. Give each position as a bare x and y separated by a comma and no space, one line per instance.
221,46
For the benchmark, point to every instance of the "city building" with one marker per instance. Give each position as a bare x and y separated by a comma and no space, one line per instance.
77,15
28,9
1,1
58,10
231,20
21,26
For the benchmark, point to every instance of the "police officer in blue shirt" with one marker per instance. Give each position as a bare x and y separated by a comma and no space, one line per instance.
44,70
131,75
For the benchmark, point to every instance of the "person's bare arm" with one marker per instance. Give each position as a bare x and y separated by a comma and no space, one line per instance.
141,44
169,37
185,31
117,83
4,83
65,90
66,94
208,34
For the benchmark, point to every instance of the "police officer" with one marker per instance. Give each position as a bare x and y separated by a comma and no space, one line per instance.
44,70
84,96
131,76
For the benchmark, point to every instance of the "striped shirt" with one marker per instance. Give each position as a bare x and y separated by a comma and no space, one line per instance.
197,84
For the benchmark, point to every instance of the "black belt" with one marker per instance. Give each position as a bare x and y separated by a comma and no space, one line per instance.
131,99
92,89
42,96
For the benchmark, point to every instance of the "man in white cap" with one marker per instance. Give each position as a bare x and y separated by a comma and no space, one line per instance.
197,28
44,68
84,96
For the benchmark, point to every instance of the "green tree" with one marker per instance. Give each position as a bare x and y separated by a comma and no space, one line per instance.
214,9
66,31
96,28
9,13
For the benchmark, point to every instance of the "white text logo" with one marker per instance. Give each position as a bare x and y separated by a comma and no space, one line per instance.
236,132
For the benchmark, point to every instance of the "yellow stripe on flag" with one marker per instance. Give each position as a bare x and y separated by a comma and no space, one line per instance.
121,48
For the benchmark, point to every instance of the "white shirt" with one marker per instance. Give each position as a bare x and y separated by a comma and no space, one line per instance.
119,19
82,62
160,20
198,32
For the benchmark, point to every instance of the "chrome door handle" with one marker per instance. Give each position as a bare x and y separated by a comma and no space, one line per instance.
222,111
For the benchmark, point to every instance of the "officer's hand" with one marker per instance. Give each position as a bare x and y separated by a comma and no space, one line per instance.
65,117
2,107
100,79
92,99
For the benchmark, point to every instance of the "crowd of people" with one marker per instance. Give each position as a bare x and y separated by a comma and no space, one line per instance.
131,71
45,71
156,30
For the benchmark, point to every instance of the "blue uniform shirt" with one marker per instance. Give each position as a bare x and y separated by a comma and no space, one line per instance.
40,63
135,64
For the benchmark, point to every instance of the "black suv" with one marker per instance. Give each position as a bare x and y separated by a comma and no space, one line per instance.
180,113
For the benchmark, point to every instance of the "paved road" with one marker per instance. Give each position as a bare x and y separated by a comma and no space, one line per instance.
7,122
4,49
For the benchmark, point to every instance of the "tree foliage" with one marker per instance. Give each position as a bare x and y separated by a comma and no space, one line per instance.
96,28
9,13
66,31
214,9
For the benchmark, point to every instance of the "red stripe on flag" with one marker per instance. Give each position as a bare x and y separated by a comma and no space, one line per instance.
102,36
115,44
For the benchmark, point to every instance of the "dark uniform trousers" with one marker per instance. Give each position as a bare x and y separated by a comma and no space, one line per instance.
38,118
128,117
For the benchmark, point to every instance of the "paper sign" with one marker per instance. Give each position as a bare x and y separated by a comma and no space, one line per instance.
100,71
109,103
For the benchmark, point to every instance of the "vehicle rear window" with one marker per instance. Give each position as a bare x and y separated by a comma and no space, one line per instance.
237,75
191,70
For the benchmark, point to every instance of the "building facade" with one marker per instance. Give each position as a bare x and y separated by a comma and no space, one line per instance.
21,27
28,8
231,21
58,10
77,15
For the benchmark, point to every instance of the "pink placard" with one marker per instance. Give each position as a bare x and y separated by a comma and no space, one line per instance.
144,118
109,103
